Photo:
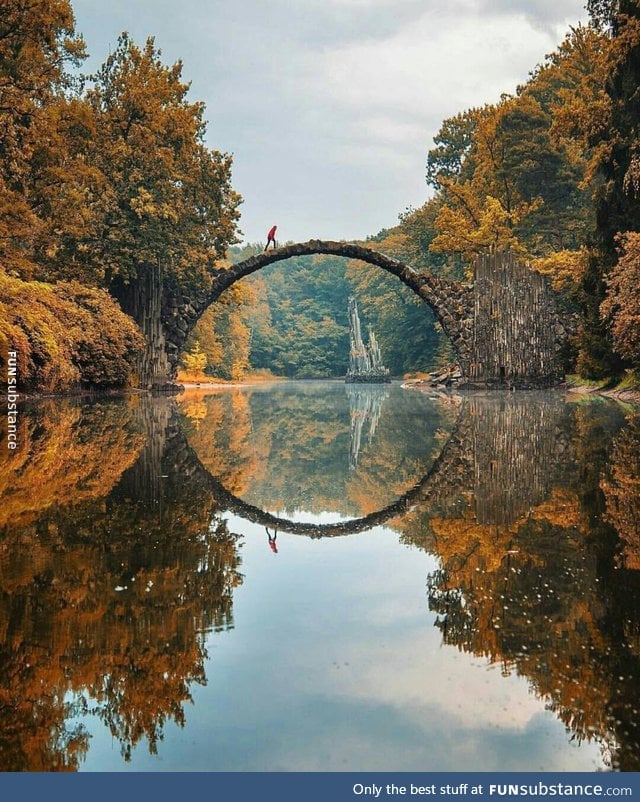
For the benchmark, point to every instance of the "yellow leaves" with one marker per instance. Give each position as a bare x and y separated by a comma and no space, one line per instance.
576,75
52,250
145,205
241,293
149,145
222,336
194,408
239,337
66,335
195,360
234,456
525,166
78,455
148,640
396,244
561,509
469,224
582,117
566,268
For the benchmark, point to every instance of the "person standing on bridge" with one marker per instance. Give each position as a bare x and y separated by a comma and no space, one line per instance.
271,237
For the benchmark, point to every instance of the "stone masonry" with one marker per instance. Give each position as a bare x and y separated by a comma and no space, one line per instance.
504,326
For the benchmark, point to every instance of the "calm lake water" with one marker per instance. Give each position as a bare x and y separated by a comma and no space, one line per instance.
316,576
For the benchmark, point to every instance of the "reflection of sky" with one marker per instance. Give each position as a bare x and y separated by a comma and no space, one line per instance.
335,664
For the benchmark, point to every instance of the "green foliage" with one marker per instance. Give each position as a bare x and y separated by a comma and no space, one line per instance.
299,324
66,336
454,141
403,323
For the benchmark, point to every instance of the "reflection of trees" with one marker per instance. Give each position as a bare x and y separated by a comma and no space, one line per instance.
68,452
105,603
536,587
621,488
290,450
112,572
510,451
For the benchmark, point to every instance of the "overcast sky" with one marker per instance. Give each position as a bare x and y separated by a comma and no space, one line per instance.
329,106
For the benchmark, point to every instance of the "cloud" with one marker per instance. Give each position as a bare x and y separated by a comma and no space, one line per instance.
329,106
547,15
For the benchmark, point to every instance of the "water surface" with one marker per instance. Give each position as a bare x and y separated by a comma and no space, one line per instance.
318,577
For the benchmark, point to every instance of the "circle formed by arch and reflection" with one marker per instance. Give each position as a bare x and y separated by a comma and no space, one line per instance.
449,455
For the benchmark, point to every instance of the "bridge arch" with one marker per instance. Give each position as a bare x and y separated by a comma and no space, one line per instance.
450,302
506,328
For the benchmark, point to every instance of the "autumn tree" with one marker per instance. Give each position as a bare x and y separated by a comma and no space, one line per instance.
221,340
450,159
195,360
621,308
167,197
71,646
66,335
519,185
37,43
509,175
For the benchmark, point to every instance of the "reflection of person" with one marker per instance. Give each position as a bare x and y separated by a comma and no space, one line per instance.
272,541
271,237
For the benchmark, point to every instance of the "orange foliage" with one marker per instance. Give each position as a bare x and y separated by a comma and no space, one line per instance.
106,599
68,453
65,335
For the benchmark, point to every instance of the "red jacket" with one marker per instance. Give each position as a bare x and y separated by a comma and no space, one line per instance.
272,233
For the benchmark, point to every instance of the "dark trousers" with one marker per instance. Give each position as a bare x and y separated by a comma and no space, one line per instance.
268,241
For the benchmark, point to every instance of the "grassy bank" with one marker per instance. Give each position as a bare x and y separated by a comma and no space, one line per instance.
199,377
625,388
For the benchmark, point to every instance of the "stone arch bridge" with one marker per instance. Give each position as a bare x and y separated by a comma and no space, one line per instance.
505,327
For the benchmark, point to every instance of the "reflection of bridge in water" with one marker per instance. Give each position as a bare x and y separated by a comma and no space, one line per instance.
117,566
506,450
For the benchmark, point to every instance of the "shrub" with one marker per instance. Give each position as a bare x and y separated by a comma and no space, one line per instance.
66,336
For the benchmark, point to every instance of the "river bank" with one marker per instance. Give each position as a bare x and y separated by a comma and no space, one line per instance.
626,390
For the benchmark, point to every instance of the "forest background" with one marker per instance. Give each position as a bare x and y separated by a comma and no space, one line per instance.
103,176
